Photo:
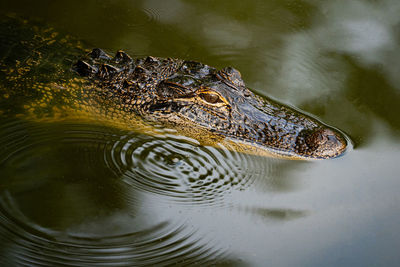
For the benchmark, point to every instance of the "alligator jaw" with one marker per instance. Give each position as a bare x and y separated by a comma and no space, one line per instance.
207,104
328,145
329,150
272,129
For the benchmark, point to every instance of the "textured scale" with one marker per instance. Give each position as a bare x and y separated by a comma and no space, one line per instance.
43,73
193,95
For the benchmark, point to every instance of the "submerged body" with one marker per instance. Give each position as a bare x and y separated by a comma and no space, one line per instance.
199,101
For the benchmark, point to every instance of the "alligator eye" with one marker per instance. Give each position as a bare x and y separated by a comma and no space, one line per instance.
211,98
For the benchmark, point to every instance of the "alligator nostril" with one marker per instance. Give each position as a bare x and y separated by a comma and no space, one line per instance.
318,137
324,142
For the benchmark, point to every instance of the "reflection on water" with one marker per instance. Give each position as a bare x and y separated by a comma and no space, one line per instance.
82,194
74,193
98,241
348,59
179,168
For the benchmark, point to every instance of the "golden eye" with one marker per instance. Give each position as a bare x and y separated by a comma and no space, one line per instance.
211,98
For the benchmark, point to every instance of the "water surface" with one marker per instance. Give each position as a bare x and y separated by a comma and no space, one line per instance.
84,194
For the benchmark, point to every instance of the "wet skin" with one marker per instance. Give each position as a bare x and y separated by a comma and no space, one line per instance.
200,100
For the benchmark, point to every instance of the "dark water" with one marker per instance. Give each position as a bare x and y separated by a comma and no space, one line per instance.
86,194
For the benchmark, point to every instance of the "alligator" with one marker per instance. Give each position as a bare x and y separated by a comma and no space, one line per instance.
210,105
191,95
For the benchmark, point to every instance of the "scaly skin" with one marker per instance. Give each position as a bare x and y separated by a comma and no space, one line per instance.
191,95
210,105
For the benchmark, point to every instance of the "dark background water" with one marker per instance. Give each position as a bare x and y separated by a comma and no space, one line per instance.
86,194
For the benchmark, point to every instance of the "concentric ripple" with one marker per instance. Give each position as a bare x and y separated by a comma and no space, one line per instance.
179,168
25,244
61,205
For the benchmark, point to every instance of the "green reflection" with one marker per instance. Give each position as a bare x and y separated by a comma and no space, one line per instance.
336,59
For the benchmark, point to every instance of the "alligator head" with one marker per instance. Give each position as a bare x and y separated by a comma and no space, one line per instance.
191,95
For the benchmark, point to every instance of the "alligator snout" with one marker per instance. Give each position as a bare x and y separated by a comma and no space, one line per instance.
195,98
321,143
